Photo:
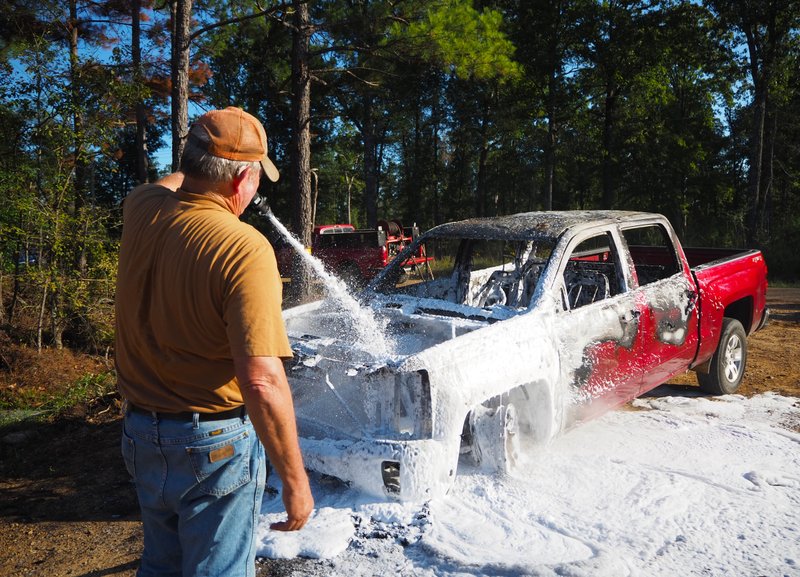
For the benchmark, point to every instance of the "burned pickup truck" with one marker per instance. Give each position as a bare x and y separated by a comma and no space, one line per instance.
530,324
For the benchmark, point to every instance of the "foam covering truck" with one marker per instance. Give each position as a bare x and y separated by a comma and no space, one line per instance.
528,325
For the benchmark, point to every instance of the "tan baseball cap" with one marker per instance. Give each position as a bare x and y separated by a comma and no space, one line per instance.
236,135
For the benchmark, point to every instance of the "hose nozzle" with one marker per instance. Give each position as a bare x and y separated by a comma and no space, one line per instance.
261,206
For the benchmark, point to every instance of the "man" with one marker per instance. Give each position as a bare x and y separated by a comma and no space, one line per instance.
200,343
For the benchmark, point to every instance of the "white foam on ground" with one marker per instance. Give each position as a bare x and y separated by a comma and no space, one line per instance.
690,486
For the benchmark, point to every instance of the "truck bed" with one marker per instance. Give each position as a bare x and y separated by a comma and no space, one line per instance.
699,256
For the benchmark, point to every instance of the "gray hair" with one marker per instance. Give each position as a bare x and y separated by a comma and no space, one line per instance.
198,163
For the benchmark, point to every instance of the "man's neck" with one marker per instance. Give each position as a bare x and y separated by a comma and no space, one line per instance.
217,190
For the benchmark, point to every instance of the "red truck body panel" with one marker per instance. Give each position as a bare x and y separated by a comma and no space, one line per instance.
729,283
357,255
734,285
679,323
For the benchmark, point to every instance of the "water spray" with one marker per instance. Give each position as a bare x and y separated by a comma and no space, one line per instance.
365,327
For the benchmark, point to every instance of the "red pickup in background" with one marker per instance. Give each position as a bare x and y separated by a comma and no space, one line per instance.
358,255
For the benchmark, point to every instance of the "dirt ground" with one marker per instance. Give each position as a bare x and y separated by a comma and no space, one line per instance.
67,507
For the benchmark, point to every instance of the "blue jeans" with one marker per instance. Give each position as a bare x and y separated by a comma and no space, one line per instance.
200,485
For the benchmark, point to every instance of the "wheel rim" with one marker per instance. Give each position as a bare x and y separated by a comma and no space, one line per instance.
733,358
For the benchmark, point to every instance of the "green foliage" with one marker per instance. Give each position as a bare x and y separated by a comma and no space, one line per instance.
19,403
470,43
57,243
434,109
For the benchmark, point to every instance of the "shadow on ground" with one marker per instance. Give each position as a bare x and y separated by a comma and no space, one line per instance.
69,470
676,390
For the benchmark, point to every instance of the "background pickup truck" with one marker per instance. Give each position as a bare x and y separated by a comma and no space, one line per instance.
530,324
357,255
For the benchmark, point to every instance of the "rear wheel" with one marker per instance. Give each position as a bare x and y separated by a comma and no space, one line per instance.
729,361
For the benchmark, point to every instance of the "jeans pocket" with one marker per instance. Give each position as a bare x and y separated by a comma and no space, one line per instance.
223,466
128,450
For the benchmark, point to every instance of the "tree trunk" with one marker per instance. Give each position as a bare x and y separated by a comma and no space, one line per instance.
763,225
435,122
12,307
350,180
2,301
481,177
40,324
608,153
552,105
79,180
181,24
413,172
301,125
550,150
756,158
56,320
379,150
762,49
370,163
302,223
141,117
314,197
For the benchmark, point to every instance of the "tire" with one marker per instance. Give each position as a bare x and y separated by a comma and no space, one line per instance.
495,431
729,361
540,410
494,437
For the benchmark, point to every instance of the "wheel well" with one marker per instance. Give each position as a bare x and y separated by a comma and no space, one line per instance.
742,311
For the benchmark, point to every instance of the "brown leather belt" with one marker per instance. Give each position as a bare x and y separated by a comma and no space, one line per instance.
235,413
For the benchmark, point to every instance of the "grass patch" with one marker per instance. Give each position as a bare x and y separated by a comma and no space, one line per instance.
36,403
13,416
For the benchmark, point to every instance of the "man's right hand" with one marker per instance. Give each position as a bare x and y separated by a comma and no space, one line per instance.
299,506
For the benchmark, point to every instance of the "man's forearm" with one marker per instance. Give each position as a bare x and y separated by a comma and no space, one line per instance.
268,398
272,412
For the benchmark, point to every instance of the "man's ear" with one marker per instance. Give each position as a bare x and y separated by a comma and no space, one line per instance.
240,179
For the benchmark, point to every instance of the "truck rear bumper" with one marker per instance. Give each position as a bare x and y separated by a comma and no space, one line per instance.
764,319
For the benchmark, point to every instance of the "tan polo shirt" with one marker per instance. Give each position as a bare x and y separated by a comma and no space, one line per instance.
195,288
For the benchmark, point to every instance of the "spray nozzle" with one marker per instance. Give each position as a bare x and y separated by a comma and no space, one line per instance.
260,204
